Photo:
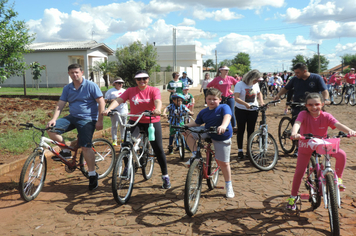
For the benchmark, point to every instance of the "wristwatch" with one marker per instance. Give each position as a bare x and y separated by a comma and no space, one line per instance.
327,99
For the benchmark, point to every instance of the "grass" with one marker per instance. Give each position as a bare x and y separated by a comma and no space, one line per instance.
33,91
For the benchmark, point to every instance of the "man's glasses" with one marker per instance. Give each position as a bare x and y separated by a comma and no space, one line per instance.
315,104
139,79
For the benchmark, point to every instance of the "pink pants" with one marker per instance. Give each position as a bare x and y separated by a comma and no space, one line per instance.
304,155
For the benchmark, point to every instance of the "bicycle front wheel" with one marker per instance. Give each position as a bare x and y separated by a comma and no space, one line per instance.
104,158
337,97
213,171
352,99
284,133
181,146
312,184
123,178
263,153
32,176
332,204
147,160
192,189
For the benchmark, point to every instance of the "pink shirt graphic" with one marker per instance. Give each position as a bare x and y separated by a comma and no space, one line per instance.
350,78
142,100
223,84
317,126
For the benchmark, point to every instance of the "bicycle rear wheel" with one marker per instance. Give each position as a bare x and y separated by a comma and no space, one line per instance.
123,179
181,146
284,133
192,188
147,160
32,176
104,158
213,170
261,156
332,204
312,178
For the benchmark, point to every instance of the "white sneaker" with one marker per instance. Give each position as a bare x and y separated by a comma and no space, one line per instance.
229,191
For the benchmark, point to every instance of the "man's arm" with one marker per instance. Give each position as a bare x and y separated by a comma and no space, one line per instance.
281,92
57,111
325,95
99,124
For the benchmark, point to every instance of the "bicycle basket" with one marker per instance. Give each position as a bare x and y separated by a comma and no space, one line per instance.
329,146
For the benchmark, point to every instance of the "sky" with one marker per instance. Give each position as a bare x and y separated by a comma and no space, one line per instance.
272,32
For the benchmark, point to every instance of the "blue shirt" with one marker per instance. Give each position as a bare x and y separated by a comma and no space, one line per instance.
314,83
215,118
176,114
186,81
82,103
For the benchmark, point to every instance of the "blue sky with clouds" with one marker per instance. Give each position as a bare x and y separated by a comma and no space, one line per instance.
272,32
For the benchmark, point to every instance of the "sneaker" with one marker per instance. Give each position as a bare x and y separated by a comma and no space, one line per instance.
229,191
166,183
170,150
190,161
93,182
292,203
114,143
341,186
240,155
66,155
295,154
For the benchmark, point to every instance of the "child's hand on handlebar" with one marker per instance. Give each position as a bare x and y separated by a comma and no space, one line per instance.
221,129
295,136
156,112
106,112
352,133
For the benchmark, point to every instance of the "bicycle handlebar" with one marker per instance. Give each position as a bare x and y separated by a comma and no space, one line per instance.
145,113
30,125
310,136
264,106
198,130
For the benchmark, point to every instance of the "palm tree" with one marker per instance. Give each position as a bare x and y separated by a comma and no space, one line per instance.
102,68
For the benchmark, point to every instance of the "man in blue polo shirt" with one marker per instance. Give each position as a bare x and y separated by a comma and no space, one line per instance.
304,82
86,103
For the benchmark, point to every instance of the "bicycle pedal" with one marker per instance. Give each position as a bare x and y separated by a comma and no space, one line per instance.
304,196
219,187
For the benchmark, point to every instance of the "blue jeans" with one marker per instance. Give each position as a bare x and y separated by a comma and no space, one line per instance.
85,129
231,103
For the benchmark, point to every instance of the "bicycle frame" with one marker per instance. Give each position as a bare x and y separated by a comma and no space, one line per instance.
205,166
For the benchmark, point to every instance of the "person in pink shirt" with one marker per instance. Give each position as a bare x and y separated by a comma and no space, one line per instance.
350,77
142,98
224,82
315,121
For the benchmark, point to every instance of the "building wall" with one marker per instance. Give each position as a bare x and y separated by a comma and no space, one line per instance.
57,64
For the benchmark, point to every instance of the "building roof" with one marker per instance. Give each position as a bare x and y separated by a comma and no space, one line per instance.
338,68
75,45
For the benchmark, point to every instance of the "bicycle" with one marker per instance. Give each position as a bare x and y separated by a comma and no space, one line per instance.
285,130
179,141
336,94
199,169
347,95
321,180
33,173
261,146
134,153
263,89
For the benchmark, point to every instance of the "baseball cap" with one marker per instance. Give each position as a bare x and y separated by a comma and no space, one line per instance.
185,87
184,72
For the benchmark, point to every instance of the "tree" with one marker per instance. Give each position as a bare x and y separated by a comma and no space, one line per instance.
313,63
14,41
103,68
135,57
349,60
298,58
209,63
226,62
238,69
243,59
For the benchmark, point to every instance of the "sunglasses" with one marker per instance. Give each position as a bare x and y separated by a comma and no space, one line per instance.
119,83
315,104
139,79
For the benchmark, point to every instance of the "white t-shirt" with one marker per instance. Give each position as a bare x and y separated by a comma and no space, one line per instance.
271,80
112,94
205,83
248,93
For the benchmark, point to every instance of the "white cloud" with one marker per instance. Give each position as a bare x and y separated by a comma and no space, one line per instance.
218,15
332,29
163,7
187,22
242,4
300,40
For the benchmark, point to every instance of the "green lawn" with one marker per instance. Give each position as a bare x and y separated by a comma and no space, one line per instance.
34,91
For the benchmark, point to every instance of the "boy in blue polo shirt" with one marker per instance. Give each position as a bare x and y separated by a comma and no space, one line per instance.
218,115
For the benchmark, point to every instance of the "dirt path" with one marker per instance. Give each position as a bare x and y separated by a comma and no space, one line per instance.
65,207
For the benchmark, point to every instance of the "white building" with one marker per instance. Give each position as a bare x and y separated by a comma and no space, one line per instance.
57,56
189,59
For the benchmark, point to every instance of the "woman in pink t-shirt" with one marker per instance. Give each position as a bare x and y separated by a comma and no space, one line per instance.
316,122
224,82
142,98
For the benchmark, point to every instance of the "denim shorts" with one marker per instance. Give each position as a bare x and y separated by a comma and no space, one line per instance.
85,129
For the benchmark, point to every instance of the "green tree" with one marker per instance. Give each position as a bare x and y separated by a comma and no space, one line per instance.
243,59
14,39
134,57
226,62
313,63
168,69
298,58
238,69
209,63
349,60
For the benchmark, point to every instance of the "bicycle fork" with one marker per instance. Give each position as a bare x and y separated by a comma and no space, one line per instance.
336,186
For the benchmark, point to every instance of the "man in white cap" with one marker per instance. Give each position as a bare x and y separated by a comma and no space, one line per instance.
186,80
110,95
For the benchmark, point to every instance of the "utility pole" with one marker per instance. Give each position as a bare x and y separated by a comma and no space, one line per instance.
318,60
174,49
216,61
